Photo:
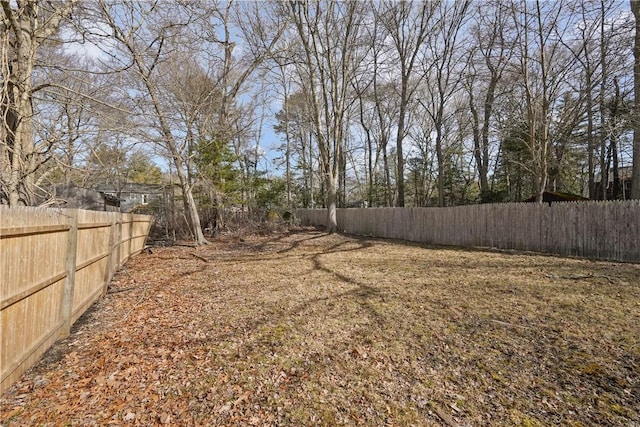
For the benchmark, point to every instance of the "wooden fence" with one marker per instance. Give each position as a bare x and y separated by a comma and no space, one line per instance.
599,230
54,264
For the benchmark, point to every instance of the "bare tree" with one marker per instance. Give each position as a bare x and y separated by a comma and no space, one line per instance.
223,27
261,31
145,37
541,69
285,81
635,185
285,86
445,78
408,25
156,42
25,26
301,146
328,34
78,111
488,60
583,55
377,111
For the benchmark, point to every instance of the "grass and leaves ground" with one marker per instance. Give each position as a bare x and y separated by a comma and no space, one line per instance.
304,328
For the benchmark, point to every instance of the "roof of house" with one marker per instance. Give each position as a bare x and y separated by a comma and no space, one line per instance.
556,196
132,188
72,196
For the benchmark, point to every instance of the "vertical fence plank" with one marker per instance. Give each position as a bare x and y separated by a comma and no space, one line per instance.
630,230
111,257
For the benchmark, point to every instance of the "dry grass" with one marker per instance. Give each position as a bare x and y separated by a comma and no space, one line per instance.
311,329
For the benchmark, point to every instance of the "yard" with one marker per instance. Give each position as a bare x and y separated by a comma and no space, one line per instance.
304,328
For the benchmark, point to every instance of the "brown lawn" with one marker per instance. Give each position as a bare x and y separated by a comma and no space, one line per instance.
305,328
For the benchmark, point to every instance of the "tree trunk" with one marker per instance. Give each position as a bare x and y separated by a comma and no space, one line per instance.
590,139
21,180
399,150
440,158
635,183
18,113
27,29
181,165
332,219
604,163
190,206
613,141
310,172
369,170
483,170
387,177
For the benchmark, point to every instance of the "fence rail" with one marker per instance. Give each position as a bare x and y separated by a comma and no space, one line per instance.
54,264
598,230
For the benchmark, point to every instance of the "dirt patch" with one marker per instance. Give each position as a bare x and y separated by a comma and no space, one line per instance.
311,329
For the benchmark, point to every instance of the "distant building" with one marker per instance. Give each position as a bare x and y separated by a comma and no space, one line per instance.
70,196
626,175
554,196
356,204
135,196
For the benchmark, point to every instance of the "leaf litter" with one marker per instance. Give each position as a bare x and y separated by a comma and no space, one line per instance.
304,328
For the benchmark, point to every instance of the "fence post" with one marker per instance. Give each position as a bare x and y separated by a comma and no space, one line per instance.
130,227
70,280
117,240
111,266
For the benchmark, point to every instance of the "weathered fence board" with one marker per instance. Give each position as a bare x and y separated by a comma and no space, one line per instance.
599,230
54,264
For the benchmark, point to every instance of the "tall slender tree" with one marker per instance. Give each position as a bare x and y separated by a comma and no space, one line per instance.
409,26
488,60
145,35
635,184
445,79
328,33
541,70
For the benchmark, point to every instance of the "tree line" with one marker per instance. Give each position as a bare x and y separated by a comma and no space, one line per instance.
385,103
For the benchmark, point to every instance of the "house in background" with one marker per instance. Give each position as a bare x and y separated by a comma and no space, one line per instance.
626,174
555,196
163,201
72,197
138,196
